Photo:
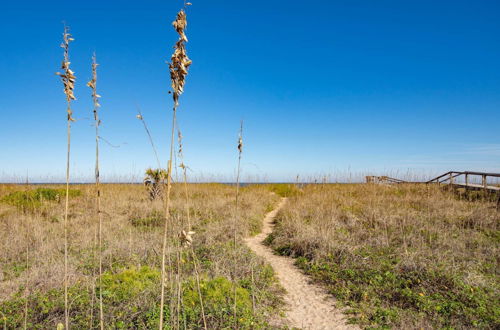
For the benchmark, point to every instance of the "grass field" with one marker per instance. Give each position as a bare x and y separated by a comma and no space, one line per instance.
32,258
400,256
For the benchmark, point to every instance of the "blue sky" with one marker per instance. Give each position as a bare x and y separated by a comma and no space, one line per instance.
323,87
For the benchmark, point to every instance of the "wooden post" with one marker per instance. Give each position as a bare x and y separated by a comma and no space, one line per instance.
466,180
484,182
451,178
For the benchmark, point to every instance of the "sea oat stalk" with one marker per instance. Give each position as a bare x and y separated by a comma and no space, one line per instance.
141,118
178,71
186,236
68,79
236,218
97,122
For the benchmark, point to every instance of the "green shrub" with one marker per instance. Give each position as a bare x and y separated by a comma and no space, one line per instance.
128,295
46,309
128,283
218,303
33,199
153,219
285,189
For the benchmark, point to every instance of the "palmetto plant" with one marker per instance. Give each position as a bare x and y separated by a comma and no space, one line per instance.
153,180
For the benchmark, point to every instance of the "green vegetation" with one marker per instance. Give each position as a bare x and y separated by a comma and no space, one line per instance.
154,219
217,298
130,301
385,294
285,189
30,200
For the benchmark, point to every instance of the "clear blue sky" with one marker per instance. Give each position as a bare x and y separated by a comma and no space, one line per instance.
323,87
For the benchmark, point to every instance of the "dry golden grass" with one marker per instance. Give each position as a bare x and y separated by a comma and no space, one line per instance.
401,255
132,238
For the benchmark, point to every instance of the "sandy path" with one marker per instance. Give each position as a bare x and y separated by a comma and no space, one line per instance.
309,307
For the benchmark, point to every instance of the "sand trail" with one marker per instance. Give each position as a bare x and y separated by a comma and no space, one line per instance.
308,306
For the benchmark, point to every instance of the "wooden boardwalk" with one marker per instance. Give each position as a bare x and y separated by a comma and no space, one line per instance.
451,178
477,186
454,179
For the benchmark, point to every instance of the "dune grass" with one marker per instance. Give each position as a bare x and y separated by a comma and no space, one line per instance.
132,259
400,256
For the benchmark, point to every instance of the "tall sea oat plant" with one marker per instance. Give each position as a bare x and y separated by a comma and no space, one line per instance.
97,122
187,235
68,79
178,71
236,219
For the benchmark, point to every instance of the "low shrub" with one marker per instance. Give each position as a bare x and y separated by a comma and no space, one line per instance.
30,200
285,189
153,219
217,297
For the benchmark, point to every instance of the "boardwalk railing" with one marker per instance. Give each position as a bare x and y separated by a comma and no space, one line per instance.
382,179
452,178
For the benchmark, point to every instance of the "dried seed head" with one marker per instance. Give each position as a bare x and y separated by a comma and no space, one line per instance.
179,138
93,85
186,238
180,62
240,139
139,117
240,144
67,76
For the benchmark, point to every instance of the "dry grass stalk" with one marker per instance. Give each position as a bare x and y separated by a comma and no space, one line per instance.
27,287
95,99
186,237
68,79
178,72
141,118
236,218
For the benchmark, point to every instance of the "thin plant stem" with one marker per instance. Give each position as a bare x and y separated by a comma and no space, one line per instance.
141,118
253,291
235,220
27,285
167,217
68,79
95,98
188,217
66,208
92,301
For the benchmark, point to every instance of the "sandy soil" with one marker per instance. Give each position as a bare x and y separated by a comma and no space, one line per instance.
309,307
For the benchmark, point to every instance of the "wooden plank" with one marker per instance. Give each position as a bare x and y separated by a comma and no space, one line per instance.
478,186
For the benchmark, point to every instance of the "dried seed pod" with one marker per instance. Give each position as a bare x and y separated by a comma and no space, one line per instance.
67,77
179,61
186,238
179,138
240,144
93,85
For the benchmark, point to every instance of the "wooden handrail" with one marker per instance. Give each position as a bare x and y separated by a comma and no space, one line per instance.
454,174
